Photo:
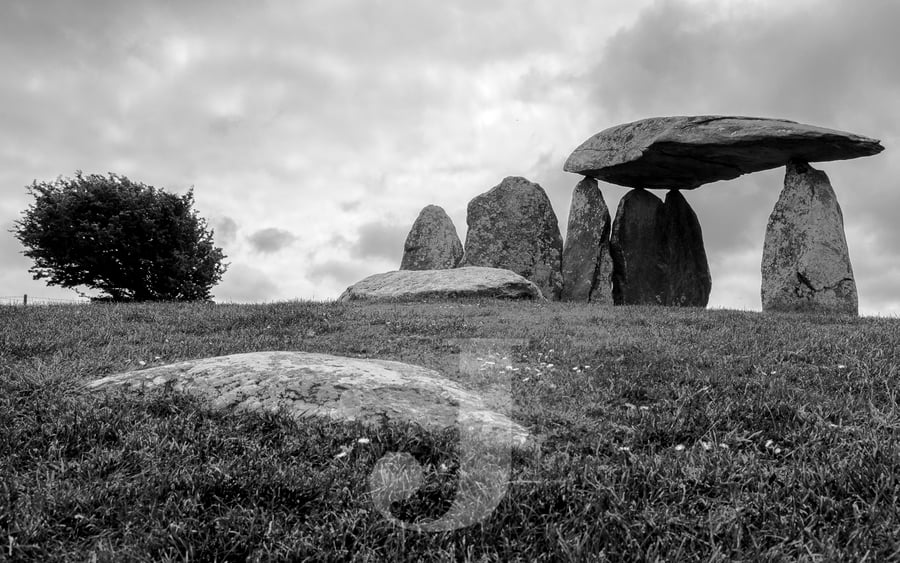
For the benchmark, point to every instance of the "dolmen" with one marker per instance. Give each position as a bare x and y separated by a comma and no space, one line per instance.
656,246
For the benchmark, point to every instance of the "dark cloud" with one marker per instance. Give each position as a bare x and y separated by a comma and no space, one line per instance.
380,240
225,229
242,283
268,241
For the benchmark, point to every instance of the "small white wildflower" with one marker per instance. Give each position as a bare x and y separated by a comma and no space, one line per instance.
587,367
706,445
549,365
773,372
526,379
769,443
624,449
142,363
679,447
157,357
842,366
644,408
629,406
363,441
723,446
777,450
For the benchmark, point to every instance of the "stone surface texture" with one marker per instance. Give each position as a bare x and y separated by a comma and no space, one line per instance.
513,226
638,274
302,384
455,283
688,280
586,262
688,151
806,264
432,243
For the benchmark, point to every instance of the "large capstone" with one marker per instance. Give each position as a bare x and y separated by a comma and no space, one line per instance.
688,281
636,248
687,152
806,264
467,282
586,262
513,227
432,243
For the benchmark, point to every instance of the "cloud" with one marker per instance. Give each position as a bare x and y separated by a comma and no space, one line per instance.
225,229
380,240
337,272
267,241
243,283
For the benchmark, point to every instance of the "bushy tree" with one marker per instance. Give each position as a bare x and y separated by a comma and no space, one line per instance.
131,241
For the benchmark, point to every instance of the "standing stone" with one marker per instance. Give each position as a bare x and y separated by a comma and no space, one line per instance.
636,249
432,243
586,263
513,226
684,257
806,264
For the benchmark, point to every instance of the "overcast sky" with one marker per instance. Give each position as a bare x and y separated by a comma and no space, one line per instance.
314,131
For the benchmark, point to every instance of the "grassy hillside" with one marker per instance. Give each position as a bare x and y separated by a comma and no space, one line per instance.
666,433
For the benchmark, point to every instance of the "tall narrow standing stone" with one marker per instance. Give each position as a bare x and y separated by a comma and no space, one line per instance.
432,243
586,263
684,258
513,226
638,272
806,264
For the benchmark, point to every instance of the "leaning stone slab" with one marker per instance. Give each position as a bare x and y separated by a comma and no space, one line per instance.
471,281
302,384
586,262
686,152
806,263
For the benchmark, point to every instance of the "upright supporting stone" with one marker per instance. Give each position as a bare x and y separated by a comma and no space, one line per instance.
806,264
684,257
586,262
638,275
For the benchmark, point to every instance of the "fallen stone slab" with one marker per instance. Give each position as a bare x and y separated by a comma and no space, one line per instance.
686,152
470,281
303,384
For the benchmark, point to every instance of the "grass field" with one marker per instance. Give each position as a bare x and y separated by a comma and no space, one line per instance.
666,434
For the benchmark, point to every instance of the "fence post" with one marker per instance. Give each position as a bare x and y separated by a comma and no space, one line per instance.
25,300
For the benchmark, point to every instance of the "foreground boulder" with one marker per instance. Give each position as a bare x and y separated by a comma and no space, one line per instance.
688,280
513,227
458,282
432,243
636,248
687,152
806,264
302,384
586,262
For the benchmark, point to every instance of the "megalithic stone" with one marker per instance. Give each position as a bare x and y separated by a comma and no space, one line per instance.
586,262
806,264
432,243
513,226
638,272
684,257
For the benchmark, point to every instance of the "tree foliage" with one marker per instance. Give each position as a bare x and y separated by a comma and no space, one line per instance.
131,241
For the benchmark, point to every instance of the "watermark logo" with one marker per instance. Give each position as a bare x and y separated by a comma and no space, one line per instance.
485,462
